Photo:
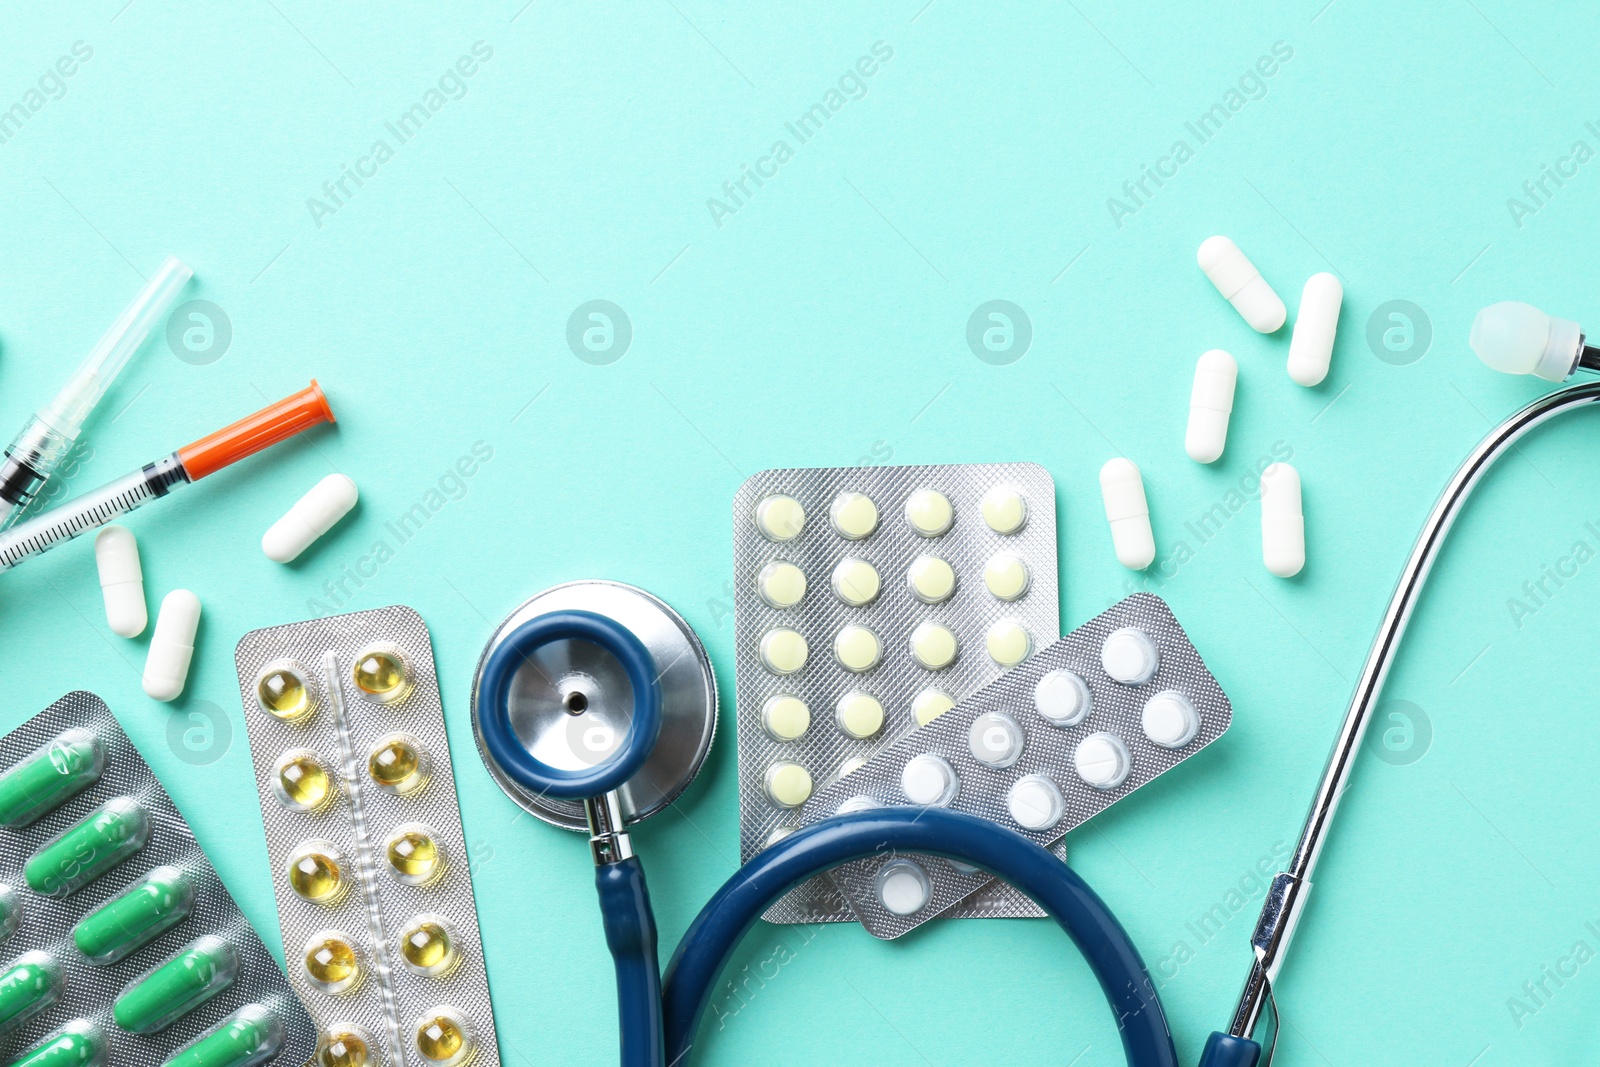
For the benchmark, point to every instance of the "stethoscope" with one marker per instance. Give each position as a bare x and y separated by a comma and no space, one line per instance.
595,706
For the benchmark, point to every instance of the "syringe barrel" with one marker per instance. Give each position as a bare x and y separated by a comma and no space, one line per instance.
90,511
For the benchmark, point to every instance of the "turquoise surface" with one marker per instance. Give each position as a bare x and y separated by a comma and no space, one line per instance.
821,318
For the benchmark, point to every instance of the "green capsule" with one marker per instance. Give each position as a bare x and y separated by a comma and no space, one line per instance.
78,1044
106,837
250,1036
151,906
29,986
63,767
192,977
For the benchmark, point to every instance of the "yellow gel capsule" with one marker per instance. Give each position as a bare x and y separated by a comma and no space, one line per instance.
344,1045
316,872
427,946
382,673
415,855
331,962
398,764
302,783
443,1038
283,692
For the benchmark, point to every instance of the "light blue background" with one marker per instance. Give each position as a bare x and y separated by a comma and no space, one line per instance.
824,323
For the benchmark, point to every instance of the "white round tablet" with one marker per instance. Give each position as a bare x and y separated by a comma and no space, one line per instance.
857,648
788,785
930,704
931,579
855,581
780,518
929,781
1004,509
1129,656
781,585
1102,760
1062,698
904,888
929,512
995,739
855,804
785,717
859,715
1035,802
853,515
1170,719
783,651
1008,643
933,645
1006,576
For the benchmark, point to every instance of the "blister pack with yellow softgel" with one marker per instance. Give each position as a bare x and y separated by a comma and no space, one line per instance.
120,945
380,930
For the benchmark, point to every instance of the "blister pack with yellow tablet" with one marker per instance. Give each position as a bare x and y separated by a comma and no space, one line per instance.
1084,722
119,945
869,600
369,861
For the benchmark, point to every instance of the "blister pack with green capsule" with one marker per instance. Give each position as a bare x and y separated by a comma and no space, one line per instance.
119,945
369,860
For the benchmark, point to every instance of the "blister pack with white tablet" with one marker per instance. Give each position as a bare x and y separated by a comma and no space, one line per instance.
120,945
1078,726
369,861
869,600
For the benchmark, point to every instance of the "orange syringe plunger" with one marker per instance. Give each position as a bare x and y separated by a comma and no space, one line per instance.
252,433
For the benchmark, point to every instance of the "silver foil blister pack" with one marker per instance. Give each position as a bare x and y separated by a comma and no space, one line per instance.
369,860
119,940
865,597
1041,750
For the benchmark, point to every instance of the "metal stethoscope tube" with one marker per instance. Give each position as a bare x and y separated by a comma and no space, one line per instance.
1286,899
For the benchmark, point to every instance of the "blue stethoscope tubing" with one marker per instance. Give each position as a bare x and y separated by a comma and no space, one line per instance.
658,1026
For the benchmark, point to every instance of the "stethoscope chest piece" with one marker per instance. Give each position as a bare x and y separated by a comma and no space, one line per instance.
593,687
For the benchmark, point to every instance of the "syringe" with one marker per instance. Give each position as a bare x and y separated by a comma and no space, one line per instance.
50,434
190,463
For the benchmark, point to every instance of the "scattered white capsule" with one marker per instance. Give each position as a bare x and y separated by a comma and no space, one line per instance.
1210,405
1035,802
1170,719
166,667
116,556
311,516
1122,489
1283,525
1311,346
1102,760
1241,285
927,780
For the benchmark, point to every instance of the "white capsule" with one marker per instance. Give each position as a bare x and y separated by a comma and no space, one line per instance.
1210,404
1283,525
1122,489
116,555
1241,285
1311,347
312,516
166,667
